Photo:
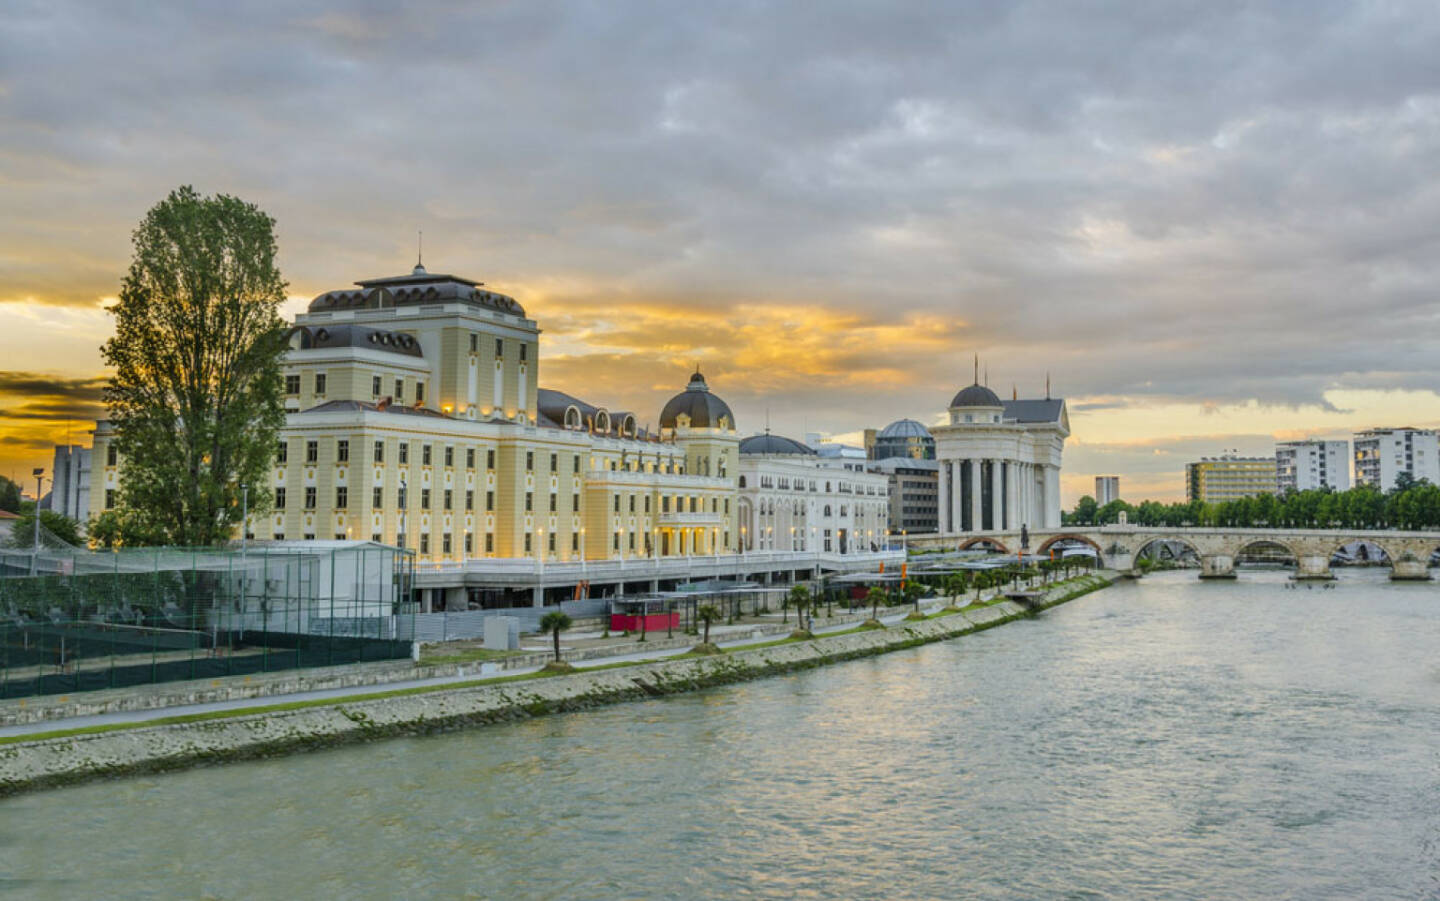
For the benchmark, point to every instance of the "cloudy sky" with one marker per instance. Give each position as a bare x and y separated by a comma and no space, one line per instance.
1213,223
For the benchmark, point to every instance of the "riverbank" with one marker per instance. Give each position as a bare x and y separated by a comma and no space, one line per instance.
287,728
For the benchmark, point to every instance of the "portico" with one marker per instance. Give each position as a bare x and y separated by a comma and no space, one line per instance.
1000,462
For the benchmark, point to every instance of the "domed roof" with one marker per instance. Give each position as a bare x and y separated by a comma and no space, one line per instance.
774,444
904,428
704,409
976,396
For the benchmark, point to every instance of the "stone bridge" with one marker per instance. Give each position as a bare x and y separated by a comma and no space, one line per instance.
1119,546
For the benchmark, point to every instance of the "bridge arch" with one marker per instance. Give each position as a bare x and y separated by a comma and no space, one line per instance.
1143,542
992,544
1045,545
1246,543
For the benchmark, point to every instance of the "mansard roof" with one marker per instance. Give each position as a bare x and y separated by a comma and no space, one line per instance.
419,287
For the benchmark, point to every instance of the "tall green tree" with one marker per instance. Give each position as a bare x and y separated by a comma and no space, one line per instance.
196,398
9,495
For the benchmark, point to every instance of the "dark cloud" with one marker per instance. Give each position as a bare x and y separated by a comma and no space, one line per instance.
1206,201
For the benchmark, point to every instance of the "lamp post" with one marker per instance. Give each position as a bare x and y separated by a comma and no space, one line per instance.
244,518
39,472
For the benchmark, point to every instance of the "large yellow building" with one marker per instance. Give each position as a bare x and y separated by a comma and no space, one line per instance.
414,417
1228,478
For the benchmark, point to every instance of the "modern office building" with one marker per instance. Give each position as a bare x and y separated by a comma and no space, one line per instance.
901,438
1382,455
70,493
1312,464
1000,462
1107,489
914,494
1229,477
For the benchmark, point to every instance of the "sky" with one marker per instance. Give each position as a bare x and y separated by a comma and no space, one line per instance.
1214,224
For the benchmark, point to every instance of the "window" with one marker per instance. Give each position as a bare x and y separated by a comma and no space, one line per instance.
632,542
469,499
342,451
665,504
319,383
499,348
282,452
490,459
552,542
575,503
489,542
577,464
470,458
374,386
469,543
109,498
529,501
528,546
279,498
554,501
489,501
529,461
399,390
445,544
632,503
449,457
647,503
377,537
377,497
554,462
419,394
617,503
342,497
574,542
279,536
292,384
474,343
424,543
523,348
615,542
404,452
424,498
424,455
310,497
379,452
312,451
112,455
308,536
449,495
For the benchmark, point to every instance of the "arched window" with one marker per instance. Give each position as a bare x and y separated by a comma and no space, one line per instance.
742,481
827,509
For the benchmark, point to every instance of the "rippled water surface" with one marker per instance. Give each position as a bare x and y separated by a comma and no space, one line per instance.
1162,739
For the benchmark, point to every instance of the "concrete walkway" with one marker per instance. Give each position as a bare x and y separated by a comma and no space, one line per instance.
142,716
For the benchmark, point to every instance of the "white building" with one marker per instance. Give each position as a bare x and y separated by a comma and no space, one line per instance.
1312,464
792,499
1000,462
70,494
1381,455
1107,489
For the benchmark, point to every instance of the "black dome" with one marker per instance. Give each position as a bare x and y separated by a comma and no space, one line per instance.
976,396
773,444
704,409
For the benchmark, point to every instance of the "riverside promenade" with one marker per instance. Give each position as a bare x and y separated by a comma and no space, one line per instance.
55,752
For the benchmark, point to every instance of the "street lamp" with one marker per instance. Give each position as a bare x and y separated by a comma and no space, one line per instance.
38,473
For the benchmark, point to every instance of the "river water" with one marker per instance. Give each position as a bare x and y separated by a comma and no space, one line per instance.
1166,739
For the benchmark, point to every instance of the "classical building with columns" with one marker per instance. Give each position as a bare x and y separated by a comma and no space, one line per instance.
1000,462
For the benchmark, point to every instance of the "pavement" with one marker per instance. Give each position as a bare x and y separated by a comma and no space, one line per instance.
718,633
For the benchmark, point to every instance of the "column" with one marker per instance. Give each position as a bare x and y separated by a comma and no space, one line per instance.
946,504
997,494
977,473
957,503
1052,497
1011,519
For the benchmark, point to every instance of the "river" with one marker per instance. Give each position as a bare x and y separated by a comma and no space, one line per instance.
1166,739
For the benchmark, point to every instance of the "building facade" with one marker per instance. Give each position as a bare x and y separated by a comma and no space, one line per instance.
1312,464
793,499
70,492
914,494
1107,489
1382,455
1229,477
999,462
902,438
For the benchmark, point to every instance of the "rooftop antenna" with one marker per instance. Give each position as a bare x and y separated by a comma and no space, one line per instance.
977,369
987,375
419,248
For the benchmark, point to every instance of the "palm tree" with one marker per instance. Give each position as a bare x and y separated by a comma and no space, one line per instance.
707,614
800,600
876,596
555,622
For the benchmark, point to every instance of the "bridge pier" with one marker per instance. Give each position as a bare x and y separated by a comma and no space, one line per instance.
1313,567
1409,571
1217,566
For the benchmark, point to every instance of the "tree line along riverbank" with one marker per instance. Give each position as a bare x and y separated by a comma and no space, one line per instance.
67,757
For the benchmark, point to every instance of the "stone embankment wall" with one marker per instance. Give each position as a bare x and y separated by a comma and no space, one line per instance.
59,761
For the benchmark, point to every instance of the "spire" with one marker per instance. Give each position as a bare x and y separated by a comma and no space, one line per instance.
419,252
977,369
1047,385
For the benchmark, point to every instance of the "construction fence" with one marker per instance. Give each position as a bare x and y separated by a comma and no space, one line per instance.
74,620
